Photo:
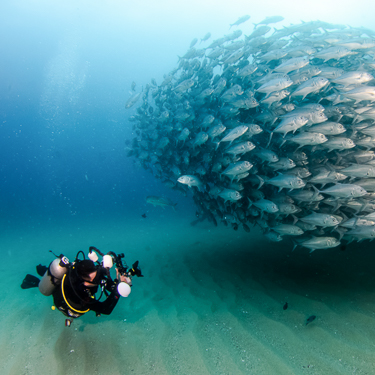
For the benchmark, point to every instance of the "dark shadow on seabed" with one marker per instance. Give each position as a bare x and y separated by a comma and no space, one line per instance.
204,288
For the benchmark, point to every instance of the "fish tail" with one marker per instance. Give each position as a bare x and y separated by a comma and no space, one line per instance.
250,202
316,192
341,233
269,140
295,244
337,206
261,182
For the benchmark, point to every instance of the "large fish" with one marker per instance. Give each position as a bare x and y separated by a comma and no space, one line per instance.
191,181
294,63
237,168
241,20
160,201
288,229
265,205
287,182
234,134
321,220
320,243
268,20
346,191
291,124
230,195
132,100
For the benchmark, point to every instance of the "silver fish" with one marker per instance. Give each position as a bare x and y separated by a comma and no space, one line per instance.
132,100
200,138
160,201
184,86
361,233
234,134
320,243
332,53
290,124
206,37
240,148
276,54
292,64
241,20
268,20
328,128
286,181
266,155
361,93
321,220
191,181
347,191
326,177
275,85
275,97
265,205
313,85
288,208
273,236
358,221
237,168
353,78
216,130
288,229
283,164
360,171
230,195
310,138
338,143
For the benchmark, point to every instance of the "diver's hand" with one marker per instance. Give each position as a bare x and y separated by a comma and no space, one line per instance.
124,278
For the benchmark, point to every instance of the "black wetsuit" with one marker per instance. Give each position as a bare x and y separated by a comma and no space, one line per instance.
74,299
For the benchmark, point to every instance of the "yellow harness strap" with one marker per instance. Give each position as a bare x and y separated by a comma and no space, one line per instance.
66,301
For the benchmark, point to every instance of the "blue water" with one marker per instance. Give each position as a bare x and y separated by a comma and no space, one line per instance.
65,74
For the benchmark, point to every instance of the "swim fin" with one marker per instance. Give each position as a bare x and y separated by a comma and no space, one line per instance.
30,281
41,270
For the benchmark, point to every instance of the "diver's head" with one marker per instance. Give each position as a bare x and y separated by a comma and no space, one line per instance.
87,271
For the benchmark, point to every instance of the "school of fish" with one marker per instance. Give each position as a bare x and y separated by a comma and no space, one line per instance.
275,128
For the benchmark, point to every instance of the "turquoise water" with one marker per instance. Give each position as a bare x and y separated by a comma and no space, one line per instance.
211,302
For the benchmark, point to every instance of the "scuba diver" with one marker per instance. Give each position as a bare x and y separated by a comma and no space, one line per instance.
74,285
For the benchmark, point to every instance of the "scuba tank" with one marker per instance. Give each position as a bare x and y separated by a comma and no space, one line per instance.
56,270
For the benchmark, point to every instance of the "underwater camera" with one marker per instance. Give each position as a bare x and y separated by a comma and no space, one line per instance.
117,259
123,269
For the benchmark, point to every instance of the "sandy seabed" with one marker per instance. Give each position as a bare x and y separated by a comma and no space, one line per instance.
211,302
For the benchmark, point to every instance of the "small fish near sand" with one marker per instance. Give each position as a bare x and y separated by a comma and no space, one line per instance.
285,306
160,201
144,216
310,319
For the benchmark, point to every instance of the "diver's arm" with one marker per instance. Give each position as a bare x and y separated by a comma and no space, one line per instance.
107,306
